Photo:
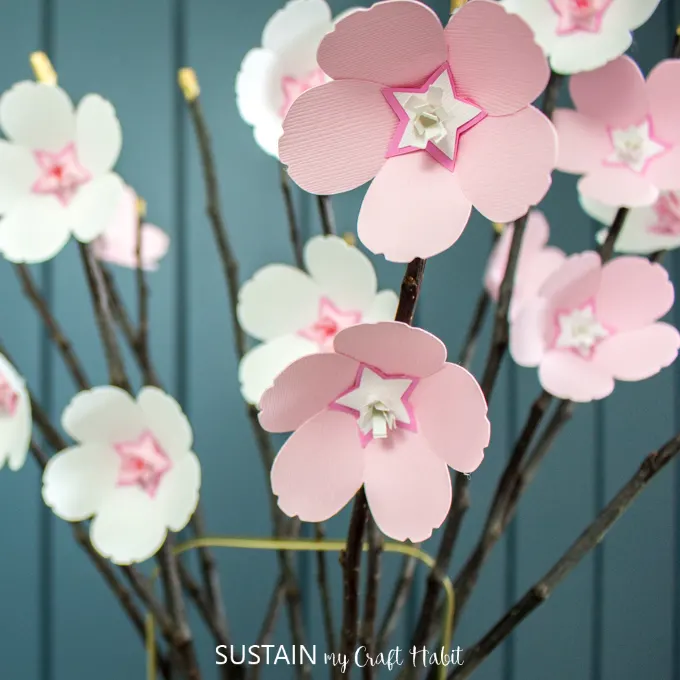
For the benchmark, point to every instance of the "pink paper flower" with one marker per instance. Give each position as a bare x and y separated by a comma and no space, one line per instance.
592,324
440,118
624,136
386,411
537,261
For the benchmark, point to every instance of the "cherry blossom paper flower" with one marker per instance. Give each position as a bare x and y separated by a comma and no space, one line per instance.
132,470
624,136
537,261
55,170
15,417
440,117
296,313
385,411
594,323
118,244
582,35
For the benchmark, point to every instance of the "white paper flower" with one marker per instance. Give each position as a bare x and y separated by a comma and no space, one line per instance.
272,76
15,417
132,469
55,170
582,35
296,313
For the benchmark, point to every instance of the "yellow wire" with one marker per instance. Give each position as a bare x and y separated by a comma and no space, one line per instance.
307,545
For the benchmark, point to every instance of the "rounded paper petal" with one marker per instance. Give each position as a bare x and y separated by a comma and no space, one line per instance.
120,250
94,206
320,468
568,376
259,95
494,59
575,282
18,172
343,272
304,389
583,141
414,208
78,480
533,275
619,187
631,13
384,307
99,137
277,301
638,354
451,415
37,116
166,420
15,429
178,492
408,487
394,348
528,333
336,136
664,171
260,366
539,16
504,164
663,91
633,292
398,44
299,24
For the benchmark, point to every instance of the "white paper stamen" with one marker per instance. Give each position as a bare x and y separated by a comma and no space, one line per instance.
378,418
580,330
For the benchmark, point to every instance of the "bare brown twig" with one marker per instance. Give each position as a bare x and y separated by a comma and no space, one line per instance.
293,229
326,214
367,636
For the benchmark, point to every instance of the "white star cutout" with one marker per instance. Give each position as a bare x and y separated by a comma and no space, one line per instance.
634,147
580,330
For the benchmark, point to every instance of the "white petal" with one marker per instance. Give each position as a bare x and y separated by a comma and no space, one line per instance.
78,480
18,172
98,134
579,52
37,116
630,14
343,272
259,94
598,211
103,414
263,363
129,527
278,300
166,420
94,206
178,492
384,307
35,230
267,134
539,16
15,431
297,23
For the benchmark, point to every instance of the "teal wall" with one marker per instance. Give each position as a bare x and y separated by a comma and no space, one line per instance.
617,615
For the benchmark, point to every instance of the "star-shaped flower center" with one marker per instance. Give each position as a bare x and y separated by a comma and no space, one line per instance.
329,323
580,331
379,402
579,15
667,210
431,117
9,398
61,173
293,87
143,463
635,147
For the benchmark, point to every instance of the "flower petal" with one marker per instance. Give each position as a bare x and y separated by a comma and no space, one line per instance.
260,365
664,171
663,91
504,164
575,282
166,420
259,95
298,22
534,273
78,480
304,389
394,348
178,492
528,333
619,187
37,116
15,432
506,70
414,208
122,251
267,134
399,44
583,141
94,206
568,376
319,468
631,13
584,51
384,307
18,172
335,136
99,137
408,487
451,412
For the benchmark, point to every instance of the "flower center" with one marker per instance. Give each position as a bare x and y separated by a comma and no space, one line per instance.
376,418
143,463
330,321
634,147
9,398
580,331
579,15
293,87
667,210
61,173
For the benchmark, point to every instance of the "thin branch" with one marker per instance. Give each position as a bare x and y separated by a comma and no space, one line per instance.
470,344
552,93
375,548
273,609
141,343
325,592
607,248
397,602
410,291
327,215
293,229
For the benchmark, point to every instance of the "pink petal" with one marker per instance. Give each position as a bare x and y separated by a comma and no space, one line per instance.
394,348
534,272
414,208
529,333
664,171
639,354
614,94
319,468
618,187
408,488
502,72
121,250
633,293
504,164
451,415
663,90
335,136
303,389
568,376
583,141
397,43
575,282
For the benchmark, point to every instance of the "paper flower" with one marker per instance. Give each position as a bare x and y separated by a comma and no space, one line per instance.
624,136
592,324
440,118
385,411
537,261
15,417
582,35
132,470
55,170
646,230
296,313
118,244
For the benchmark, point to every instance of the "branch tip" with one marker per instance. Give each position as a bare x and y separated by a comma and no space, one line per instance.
42,68
188,82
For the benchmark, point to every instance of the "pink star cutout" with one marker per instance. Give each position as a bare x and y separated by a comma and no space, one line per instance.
9,398
294,87
330,322
579,15
143,463
667,209
62,173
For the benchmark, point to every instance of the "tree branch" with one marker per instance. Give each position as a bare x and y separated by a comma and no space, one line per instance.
327,215
293,229
375,547
325,592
